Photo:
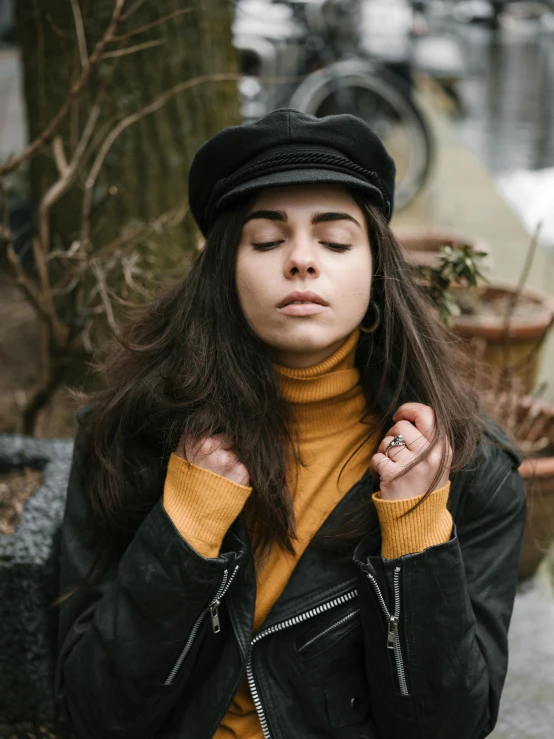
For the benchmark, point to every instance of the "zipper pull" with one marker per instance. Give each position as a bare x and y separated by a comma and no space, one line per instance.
216,626
392,633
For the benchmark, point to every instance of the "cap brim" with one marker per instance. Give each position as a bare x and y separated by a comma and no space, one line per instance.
306,176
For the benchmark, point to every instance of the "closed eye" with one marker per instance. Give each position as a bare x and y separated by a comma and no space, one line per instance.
266,245
270,244
341,247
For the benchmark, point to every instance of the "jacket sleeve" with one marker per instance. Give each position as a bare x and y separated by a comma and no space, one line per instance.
120,668
436,622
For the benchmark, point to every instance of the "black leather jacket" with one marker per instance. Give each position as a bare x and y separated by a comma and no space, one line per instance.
356,647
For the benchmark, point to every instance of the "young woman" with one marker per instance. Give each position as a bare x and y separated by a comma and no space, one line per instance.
286,515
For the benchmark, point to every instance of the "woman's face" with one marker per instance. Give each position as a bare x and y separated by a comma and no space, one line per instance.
298,238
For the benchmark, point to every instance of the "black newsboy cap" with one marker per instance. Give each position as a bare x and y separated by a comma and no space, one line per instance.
287,147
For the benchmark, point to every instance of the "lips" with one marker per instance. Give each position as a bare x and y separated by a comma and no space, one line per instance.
307,295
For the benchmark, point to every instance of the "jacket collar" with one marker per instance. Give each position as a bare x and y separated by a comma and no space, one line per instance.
321,573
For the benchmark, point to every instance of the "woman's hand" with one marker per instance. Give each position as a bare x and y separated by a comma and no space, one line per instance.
214,453
415,422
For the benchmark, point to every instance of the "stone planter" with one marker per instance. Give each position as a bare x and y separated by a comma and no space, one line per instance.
422,246
29,582
516,347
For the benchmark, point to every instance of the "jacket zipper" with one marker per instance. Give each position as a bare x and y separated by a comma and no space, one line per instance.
393,641
344,620
280,627
212,609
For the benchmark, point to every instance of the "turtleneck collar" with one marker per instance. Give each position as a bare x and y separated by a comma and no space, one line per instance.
326,383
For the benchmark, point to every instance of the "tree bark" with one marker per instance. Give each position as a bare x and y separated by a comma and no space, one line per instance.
145,173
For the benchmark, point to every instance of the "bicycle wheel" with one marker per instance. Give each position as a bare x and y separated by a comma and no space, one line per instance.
383,101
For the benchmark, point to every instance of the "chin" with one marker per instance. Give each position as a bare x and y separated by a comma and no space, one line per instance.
306,337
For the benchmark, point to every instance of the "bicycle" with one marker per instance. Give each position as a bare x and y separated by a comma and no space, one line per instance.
307,55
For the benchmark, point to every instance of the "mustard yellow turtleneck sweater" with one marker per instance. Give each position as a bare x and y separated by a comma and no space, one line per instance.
328,402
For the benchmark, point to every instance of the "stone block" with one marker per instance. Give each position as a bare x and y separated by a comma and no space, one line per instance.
29,582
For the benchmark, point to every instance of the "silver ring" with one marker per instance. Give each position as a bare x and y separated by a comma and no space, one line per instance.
386,459
397,441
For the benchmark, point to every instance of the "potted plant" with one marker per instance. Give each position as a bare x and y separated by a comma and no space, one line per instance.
511,324
505,391
422,246
458,267
504,326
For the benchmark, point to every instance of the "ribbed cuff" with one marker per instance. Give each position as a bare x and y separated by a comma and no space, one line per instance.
201,504
428,525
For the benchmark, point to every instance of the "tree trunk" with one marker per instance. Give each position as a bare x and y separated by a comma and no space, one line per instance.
145,172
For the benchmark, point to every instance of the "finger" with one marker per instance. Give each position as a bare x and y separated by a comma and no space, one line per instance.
404,455
203,447
415,441
423,416
224,440
378,462
394,451
413,445
384,444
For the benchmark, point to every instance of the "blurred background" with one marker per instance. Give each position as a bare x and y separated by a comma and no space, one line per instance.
102,107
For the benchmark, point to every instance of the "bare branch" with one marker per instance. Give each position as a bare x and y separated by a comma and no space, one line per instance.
71,253
133,49
21,277
59,155
153,106
98,133
33,295
80,31
525,271
103,292
74,130
148,26
506,367
5,213
51,128
74,116
41,245
71,285
169,219
132,9
54,193
129,267
59,331
86,339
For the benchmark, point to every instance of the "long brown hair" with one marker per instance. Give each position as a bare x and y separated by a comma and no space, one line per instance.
190,363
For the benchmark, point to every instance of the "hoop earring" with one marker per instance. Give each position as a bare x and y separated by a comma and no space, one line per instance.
376,321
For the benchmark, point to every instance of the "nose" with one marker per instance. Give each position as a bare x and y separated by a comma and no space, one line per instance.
302,258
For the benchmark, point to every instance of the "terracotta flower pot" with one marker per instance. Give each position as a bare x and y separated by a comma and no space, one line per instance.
530,422
516,347
538,478
422,246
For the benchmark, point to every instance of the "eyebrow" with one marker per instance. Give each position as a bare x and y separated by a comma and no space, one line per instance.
319,217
